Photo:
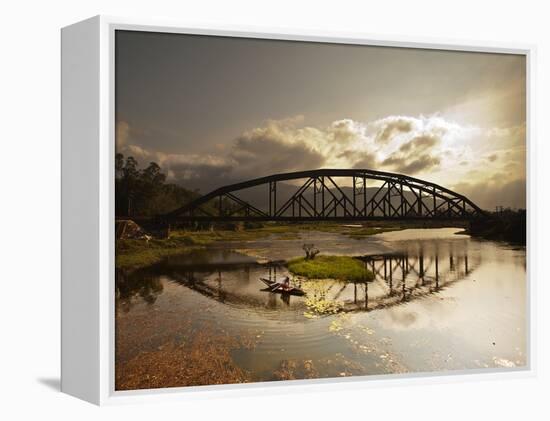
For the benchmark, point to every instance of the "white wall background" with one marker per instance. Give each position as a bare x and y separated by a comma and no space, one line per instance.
29,204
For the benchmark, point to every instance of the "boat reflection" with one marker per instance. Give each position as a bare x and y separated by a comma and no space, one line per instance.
397,278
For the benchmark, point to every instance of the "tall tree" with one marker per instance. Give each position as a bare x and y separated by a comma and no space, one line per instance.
144,192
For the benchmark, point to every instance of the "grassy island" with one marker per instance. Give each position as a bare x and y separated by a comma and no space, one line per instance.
342,268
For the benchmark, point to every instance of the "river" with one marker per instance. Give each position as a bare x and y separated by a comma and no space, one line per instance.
440,301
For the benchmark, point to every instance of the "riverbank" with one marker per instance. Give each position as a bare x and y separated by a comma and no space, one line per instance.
133,254
508,226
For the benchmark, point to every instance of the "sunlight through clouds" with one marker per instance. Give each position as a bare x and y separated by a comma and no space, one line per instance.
430,147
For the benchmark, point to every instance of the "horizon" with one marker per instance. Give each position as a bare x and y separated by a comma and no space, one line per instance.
456,119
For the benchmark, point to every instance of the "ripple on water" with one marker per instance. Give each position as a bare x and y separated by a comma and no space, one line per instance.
457,291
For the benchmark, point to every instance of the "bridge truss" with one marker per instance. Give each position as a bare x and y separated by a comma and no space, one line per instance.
328,195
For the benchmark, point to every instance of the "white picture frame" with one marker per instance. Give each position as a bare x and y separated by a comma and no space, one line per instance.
88,139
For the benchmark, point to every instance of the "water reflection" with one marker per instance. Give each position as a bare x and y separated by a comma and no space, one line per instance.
401,277
233,279
129,289
438,301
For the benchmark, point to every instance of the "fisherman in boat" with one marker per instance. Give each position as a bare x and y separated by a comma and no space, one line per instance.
283,286
286,283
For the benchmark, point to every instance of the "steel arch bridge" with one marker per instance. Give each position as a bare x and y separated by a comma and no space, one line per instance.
330,195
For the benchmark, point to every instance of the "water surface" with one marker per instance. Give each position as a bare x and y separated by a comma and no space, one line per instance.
439,301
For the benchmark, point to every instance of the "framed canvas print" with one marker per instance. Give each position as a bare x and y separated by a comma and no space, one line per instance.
247,210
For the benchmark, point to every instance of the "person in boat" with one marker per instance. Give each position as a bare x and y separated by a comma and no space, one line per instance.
286,283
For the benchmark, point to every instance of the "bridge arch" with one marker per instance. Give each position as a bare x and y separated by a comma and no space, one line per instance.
323,196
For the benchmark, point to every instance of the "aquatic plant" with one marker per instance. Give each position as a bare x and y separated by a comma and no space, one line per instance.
322,305
316,300
205,359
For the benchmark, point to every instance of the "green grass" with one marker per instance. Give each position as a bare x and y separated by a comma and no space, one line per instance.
208,236
137,253
132,254
358,233
342,268
282,231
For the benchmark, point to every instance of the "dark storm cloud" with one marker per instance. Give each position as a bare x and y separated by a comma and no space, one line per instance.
423,163
415,156
419,142
269,150
194,170
276,147
366,161
412,165
392,127
289,145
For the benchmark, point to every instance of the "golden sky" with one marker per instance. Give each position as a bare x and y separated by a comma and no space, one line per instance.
214,110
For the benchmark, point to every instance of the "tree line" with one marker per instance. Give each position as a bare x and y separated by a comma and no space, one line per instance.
145,192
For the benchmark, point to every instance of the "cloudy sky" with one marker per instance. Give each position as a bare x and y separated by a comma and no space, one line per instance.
213,110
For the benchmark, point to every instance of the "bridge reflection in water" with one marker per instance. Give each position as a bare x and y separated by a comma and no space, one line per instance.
401,277
397,278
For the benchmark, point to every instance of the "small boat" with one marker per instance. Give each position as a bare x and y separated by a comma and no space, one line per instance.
281,287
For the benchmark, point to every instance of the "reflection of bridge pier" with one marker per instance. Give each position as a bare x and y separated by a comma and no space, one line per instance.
411,275
403,276
391,276
220,292
421,260
366,295
273,272
436,272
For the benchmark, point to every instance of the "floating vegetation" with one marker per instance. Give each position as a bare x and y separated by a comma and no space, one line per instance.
335,326
292,370
203,319
338,365
323,306
338,324
367,330
316,300
206,359
386,360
